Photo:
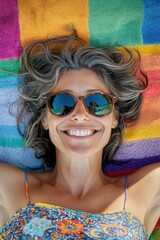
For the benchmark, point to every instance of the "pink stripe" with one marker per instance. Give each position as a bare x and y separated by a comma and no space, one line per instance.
10,46
153,91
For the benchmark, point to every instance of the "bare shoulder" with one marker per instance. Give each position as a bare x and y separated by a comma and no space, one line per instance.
10,178
152,167
147,180
11,174
12,189
8,175
7,166
149,171
148,189
7,172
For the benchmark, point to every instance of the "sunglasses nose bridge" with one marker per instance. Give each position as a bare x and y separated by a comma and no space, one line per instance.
80,106
81,99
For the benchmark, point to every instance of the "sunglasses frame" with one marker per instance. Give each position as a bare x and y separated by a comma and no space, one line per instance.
81,98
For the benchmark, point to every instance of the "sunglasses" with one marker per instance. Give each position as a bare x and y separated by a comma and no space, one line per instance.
97,104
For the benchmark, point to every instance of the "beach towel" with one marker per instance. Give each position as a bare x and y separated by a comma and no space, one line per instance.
134,24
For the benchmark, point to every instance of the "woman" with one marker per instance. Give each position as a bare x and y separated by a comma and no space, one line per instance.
75,199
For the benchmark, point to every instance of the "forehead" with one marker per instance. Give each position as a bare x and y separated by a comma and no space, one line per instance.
80,81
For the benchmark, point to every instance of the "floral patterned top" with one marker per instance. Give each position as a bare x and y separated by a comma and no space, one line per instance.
43,221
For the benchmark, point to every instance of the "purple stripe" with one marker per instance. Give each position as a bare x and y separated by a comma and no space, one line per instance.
10,46
132,164
139,149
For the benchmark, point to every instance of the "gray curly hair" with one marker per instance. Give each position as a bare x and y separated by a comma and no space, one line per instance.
42,64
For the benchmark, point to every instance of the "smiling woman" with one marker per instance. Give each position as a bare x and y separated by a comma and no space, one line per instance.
47,62
74,102
68,130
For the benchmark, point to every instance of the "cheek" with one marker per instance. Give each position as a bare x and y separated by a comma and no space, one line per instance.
50,123
54,136
108,124
55,125
107,135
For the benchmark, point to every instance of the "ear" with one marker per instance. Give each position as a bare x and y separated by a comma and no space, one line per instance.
114,122
44,123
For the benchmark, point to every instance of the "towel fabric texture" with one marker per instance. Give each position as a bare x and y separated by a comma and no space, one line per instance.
100,23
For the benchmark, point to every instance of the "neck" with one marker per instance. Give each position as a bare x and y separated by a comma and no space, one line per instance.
79,175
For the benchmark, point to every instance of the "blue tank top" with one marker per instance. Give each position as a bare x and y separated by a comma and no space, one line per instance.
44,221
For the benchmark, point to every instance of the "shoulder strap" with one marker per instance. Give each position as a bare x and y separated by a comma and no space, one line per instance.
26,188
125,192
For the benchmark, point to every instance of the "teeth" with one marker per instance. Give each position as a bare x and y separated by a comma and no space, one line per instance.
80,133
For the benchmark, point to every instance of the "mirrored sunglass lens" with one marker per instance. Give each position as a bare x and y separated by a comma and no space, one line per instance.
99,104
61,104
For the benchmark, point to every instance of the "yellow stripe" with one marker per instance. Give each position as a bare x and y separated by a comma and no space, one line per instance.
41,19
146,50
142,133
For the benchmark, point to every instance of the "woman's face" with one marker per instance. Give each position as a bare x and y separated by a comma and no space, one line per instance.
65,131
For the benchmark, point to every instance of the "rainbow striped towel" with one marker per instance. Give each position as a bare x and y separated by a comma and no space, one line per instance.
101,23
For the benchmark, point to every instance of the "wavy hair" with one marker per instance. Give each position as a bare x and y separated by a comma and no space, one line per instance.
42,64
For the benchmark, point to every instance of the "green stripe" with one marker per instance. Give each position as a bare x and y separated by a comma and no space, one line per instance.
7,66
11,142
115,22
155,234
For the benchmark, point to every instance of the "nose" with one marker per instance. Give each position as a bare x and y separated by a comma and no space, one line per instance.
80,113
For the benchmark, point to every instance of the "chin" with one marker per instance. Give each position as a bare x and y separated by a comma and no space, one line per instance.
81,152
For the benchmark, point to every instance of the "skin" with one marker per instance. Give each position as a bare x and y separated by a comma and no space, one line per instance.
77,182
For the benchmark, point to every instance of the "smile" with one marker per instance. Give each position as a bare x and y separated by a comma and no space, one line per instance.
80,133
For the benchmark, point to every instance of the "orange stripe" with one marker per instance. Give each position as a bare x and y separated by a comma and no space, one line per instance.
150,113
27,195
41,19
150,62
150,56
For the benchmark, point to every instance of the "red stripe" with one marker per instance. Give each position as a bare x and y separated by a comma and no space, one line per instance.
158,224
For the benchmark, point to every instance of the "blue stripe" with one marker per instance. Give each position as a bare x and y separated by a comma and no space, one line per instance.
7,97
8,131
22,158
151,23
8,82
